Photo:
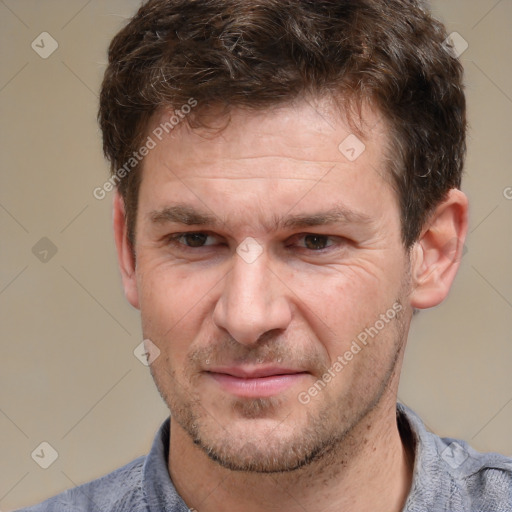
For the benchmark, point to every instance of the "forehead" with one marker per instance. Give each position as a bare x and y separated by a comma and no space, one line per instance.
306,129
269,159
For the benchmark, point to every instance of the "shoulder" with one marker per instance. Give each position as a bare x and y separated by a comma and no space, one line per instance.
451,475
111,493
483,479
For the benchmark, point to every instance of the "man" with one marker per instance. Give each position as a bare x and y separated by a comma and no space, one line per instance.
288,196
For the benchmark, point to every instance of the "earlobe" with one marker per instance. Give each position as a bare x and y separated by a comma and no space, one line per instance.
436,255
125,256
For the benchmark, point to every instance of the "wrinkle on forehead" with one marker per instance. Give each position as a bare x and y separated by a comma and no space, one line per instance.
254,167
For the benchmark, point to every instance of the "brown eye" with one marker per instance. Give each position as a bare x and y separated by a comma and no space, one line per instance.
316,242
194,239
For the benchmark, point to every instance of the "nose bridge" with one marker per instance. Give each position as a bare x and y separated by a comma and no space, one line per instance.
248,279
252,301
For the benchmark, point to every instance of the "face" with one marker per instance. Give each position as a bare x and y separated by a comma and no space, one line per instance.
271,276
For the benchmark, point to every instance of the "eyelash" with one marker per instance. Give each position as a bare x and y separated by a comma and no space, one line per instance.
174,240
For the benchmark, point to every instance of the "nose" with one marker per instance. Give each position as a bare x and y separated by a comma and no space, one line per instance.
252,302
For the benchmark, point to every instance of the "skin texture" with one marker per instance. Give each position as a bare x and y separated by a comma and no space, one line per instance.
298,306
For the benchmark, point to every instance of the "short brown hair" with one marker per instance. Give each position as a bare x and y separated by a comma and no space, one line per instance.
259,53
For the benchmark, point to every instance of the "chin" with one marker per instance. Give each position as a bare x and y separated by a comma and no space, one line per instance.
263,456
262,440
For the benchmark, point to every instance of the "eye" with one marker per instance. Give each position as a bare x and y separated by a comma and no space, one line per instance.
192,239
316,242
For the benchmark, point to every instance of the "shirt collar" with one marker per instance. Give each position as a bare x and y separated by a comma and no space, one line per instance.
159,491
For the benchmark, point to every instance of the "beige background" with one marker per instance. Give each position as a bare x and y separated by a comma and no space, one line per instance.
68,373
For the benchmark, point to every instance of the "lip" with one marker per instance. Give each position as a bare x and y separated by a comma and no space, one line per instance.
254,382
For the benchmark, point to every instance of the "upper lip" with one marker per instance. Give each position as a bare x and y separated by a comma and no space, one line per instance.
247,372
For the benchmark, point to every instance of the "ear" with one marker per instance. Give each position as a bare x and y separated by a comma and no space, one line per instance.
125,255
436,255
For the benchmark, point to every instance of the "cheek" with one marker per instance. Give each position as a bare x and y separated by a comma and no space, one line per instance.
340,305
344,293
174,303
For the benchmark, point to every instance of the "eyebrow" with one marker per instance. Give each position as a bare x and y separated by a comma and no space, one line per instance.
182,214
189,216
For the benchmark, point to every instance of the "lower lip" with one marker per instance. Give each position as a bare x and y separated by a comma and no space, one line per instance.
259,387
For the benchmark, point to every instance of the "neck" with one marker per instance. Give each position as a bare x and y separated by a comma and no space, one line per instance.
370,470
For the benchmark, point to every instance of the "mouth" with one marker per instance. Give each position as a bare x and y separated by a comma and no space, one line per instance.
255,382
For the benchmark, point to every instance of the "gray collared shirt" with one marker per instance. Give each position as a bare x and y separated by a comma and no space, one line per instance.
449,476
